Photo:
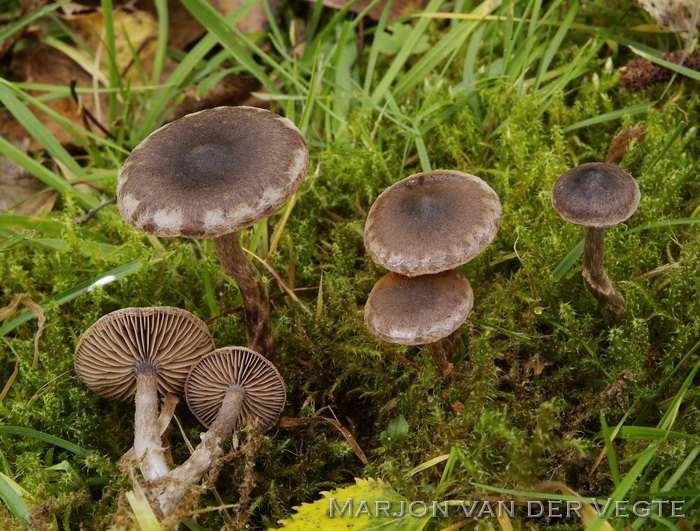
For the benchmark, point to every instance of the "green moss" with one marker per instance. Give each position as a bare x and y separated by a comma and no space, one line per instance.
540,357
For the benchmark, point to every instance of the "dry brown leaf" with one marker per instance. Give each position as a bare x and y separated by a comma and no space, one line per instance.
231,90
135,31
619,144
672,15
183,28
20,190
11,308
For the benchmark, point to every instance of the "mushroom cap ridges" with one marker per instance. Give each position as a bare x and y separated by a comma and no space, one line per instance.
264,391
596,195
121,343
212,172
432,221
418,310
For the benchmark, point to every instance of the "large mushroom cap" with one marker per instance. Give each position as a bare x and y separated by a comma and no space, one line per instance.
119,344
596,195
264,392
212,173
418,310
431,222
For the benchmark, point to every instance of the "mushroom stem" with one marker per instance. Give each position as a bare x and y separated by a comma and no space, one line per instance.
441,351
206,453
595,277
148,447
256,302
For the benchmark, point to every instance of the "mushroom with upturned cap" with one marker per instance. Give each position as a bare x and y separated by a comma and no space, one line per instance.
137,352
597,195
431,222
211,174
420,310
223,389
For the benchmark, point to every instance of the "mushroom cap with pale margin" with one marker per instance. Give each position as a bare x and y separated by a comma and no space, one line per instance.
131,340
596,195
263,388
431,222
418,310
212,172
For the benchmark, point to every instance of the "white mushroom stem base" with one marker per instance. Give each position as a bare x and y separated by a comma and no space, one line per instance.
148,447
256,302
596,279
178,482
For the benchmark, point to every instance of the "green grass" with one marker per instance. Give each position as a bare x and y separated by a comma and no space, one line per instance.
544,382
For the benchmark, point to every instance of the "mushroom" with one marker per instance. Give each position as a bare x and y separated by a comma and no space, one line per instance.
211,174
138,352
426,224
227,387
420,310
597,196
431,222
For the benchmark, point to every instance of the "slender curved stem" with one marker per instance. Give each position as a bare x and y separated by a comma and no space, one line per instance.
148,447
441,351
596,279
256,302
207,452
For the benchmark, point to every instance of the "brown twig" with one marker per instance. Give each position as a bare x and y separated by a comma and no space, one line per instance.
86,112
90,213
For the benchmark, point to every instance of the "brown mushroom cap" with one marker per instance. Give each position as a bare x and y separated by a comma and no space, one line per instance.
431,222
212,172
264,392
418,310
124,342
596,195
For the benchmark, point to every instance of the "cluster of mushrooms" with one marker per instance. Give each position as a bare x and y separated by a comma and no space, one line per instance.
214,173
207,175
421,229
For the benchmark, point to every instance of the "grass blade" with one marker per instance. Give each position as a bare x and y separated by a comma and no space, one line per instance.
35,128
72,293
568,261
45,175
44,437
11,493
608,116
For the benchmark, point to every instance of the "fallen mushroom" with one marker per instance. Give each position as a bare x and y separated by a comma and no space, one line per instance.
227,387
138,352
597,196
211,174
422,310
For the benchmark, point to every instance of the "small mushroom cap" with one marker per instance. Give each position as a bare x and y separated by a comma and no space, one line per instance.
122,343
432,222
212,172
264,392
596,195
418,310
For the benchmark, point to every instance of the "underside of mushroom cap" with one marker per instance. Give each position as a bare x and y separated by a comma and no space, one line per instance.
432,222
418,310
596,194
120,344
264,391
212,172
